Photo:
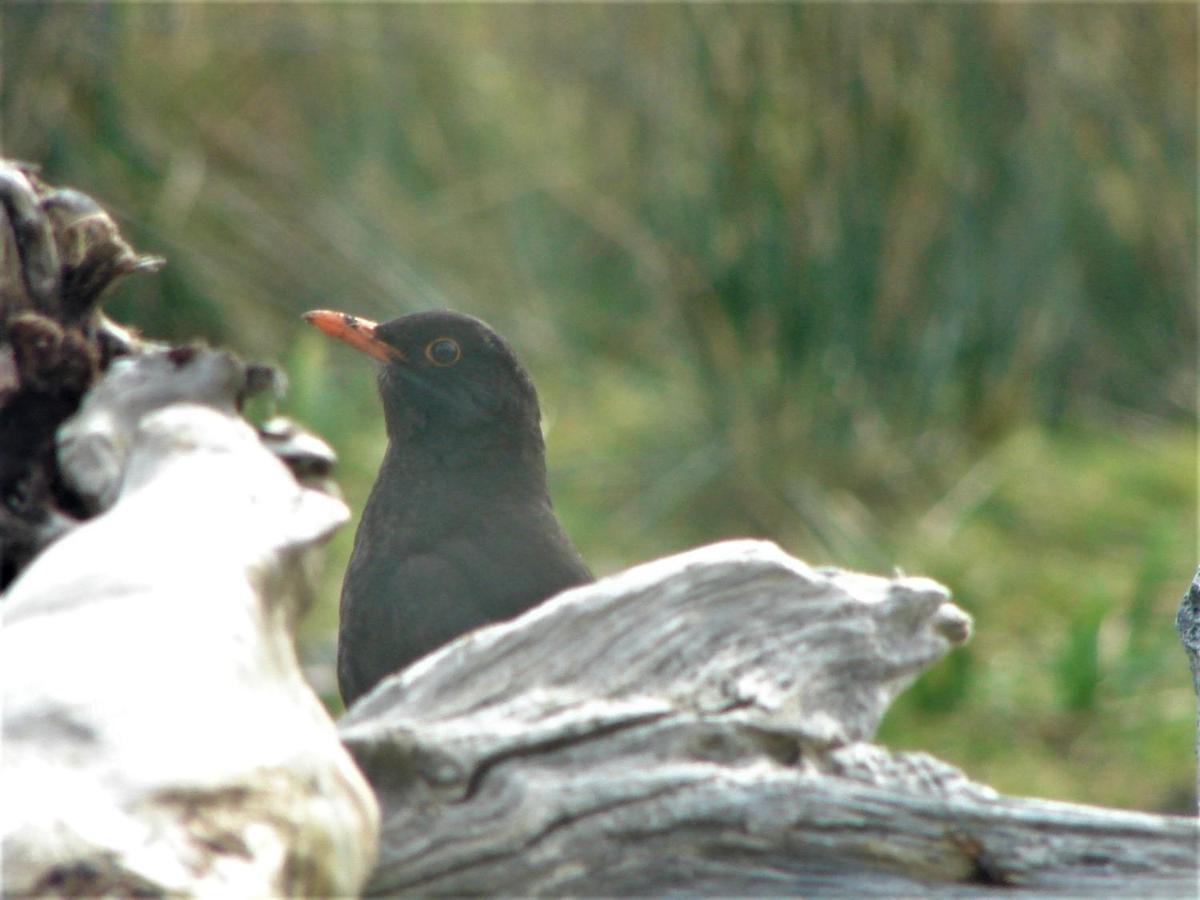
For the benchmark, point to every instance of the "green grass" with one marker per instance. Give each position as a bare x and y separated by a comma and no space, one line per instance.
1072,558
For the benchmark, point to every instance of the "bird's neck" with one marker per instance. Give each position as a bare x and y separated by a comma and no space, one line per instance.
478,465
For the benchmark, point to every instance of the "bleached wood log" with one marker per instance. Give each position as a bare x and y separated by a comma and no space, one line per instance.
700,724
158,735
93,446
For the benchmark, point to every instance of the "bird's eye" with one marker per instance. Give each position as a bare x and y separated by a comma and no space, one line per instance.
443,351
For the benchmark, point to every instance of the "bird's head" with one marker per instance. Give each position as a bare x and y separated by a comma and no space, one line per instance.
444,375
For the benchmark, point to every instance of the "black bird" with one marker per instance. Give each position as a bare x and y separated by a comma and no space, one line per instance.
459,530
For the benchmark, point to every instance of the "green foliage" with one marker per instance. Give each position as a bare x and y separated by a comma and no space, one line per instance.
1078,664
1066,549
891,284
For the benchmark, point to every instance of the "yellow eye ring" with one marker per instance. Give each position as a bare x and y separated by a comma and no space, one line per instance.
443,351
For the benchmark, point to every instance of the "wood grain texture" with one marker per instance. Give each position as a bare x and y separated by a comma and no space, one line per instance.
700,724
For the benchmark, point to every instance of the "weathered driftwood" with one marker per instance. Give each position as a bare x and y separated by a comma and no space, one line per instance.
699,724
158,734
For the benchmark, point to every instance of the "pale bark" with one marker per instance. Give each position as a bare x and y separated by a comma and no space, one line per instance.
158,734
700,724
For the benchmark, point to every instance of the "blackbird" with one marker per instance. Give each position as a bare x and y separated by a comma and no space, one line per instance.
458,530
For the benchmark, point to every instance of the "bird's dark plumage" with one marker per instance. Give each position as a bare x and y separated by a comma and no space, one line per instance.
459,530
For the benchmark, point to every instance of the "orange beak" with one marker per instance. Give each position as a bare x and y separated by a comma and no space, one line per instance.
358,333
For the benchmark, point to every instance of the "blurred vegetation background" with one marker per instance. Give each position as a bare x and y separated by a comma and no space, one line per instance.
895,286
